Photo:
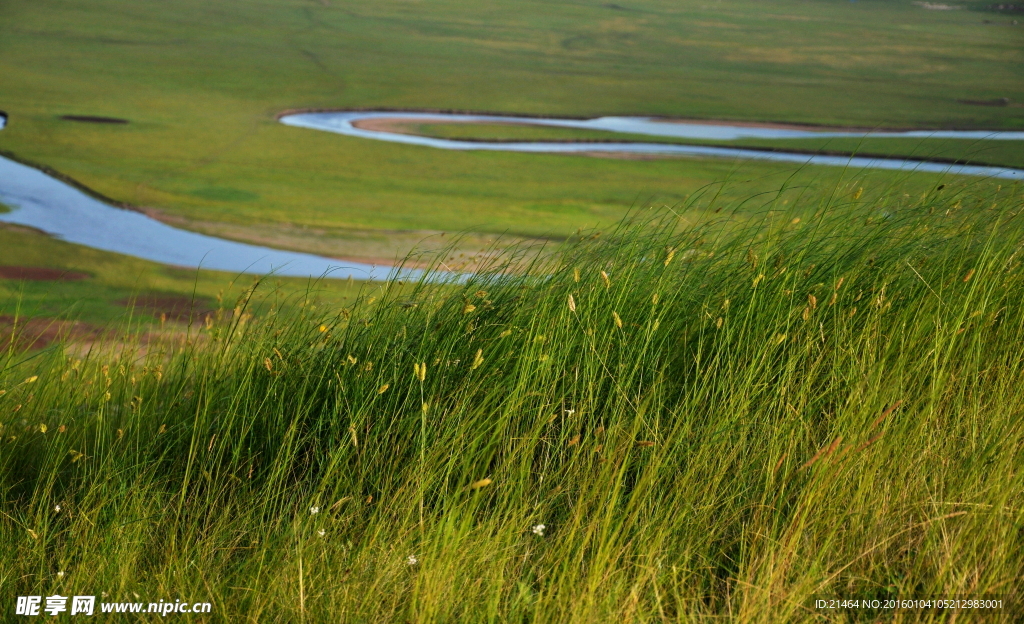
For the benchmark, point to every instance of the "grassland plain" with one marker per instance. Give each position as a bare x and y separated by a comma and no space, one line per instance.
200,83
106,284
662,423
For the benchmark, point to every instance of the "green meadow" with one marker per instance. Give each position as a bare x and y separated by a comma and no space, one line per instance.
663,423
671,390
201,83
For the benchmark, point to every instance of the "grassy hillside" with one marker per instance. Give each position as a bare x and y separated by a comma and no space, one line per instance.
199,83
660,423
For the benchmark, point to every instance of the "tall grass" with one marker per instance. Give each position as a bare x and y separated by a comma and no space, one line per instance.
654,424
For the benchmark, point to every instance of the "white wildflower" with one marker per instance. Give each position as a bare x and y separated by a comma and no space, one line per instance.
321,532
314,510
412,560
56,508
60,574
539,530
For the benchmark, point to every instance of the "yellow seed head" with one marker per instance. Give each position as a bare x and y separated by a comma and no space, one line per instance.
757,280
33,378
967,277
617,319
42,428
655,298
839,284
469,307
572,304
812,301
323,328
576,275
607,281
267,364
478,360
718,323
671,254
780,338
858,193
421,371
383,389
482,483
507,332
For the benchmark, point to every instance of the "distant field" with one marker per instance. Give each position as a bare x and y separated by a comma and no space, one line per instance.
200,83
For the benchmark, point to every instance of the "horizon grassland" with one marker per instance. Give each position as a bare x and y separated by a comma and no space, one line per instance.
673,390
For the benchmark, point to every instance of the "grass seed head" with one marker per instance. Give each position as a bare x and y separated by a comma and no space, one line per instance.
482,483
478,359
617,319
607,281
572,304
383,389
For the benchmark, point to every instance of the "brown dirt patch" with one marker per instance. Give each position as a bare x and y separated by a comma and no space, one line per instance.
38,333
170,307
94,119
395,125
40,274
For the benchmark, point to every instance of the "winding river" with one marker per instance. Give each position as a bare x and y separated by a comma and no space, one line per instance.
345,123
43,202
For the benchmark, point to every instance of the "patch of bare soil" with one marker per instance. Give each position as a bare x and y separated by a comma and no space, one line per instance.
94,119
170,307
40,274
376,247
395,125
38,333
